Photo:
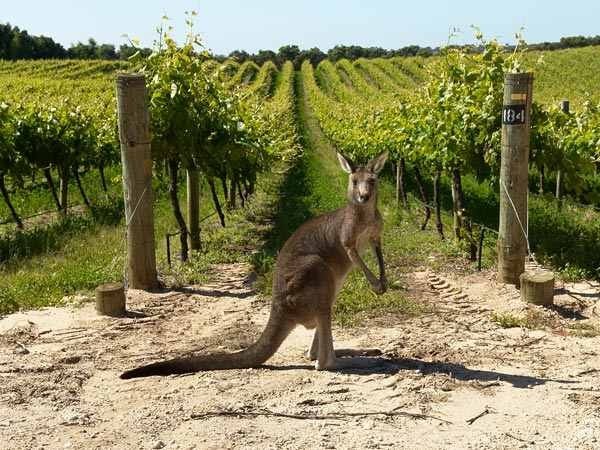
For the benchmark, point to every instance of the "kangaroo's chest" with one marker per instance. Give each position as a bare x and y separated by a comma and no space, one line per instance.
358,231
365,237
362,241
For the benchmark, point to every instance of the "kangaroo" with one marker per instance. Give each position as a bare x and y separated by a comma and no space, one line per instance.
309,272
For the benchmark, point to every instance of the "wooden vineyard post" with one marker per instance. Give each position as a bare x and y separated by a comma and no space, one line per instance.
193,207
134,135
514,176
564,107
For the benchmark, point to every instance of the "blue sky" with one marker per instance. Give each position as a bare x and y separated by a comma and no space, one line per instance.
227,25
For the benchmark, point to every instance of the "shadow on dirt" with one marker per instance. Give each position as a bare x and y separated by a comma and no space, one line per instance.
459,372
590,295
568,312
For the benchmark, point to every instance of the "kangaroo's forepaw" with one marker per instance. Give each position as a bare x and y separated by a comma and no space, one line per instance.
379,288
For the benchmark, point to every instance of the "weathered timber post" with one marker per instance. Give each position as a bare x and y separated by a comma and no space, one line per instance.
516,127
193,207
134,134
564,107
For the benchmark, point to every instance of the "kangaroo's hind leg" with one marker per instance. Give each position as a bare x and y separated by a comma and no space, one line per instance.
326,355
313,351
311,295
324,339
339,352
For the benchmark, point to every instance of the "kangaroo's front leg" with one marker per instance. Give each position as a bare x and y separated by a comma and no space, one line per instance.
379,254
378,286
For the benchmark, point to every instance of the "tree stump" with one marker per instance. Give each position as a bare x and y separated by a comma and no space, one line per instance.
537,287
110,299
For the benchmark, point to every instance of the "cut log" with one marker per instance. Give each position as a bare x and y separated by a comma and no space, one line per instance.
110,299
537,287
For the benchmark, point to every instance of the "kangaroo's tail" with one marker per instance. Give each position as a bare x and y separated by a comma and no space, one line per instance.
272,337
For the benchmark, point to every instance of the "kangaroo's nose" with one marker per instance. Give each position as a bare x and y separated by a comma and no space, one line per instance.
363,198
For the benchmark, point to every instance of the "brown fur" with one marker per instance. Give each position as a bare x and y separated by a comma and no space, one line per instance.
309,273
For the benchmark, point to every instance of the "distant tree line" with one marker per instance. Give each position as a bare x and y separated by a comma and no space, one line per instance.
353,52
315,55
18,44
567,42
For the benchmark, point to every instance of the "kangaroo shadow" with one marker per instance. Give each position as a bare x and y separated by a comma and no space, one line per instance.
392,366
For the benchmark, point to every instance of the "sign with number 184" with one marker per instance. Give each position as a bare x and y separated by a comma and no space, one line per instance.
513,114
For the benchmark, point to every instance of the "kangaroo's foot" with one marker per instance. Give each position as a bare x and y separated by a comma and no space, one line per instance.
350,363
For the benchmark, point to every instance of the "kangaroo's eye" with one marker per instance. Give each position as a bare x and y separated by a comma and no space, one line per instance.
371,181
354,183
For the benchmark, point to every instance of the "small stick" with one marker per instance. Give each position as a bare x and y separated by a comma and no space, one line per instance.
529,342
579,389
25,349
390,397
62,331
519,439
487,410
332,416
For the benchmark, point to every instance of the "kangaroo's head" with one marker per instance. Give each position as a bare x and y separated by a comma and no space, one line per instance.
362,180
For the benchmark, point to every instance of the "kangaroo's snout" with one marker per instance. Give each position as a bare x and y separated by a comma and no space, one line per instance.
363,198
362,186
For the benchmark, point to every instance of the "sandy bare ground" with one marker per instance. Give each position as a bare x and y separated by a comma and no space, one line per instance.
450,378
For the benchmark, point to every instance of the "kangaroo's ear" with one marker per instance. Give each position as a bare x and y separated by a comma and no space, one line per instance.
377,163
347,165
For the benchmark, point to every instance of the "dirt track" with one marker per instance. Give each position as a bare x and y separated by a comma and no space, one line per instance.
536,389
